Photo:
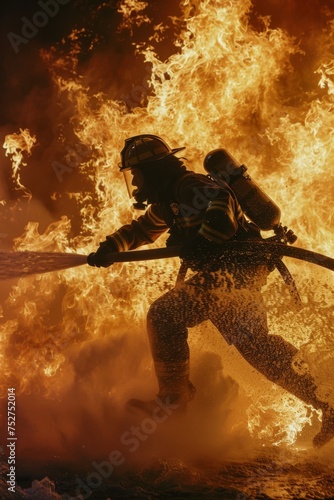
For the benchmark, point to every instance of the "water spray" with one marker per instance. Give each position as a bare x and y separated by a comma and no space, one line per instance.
21,264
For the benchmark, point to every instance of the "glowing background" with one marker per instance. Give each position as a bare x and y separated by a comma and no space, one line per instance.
215,73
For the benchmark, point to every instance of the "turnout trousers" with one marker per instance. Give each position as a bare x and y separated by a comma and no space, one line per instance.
234,304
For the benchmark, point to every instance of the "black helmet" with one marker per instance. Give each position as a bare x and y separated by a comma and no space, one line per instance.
143,149
144,167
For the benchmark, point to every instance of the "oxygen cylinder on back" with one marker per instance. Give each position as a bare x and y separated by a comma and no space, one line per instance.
256,204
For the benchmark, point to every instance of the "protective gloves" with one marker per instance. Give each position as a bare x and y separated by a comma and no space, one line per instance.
101,258
200,253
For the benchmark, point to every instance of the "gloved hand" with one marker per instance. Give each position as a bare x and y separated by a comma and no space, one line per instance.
101,258
199,252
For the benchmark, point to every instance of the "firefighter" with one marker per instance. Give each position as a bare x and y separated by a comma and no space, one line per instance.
201,216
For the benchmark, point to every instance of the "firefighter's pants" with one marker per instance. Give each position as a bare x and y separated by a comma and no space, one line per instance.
235,306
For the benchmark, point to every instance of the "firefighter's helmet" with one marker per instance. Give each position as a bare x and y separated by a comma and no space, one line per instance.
143,166
142,149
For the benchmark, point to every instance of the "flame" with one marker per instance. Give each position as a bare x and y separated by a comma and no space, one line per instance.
227,85
130,10
15,145
266,415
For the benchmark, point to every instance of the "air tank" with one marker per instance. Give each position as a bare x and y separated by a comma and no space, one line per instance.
256,204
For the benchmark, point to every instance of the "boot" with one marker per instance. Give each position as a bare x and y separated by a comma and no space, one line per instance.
327,429
171,399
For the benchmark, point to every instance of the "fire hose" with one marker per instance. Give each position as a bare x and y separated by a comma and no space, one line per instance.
21,264
233,248
274,252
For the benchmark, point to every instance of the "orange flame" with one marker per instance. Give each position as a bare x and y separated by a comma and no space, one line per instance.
15,145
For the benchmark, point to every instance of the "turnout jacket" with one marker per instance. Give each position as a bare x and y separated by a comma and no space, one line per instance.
193,204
